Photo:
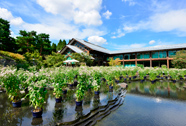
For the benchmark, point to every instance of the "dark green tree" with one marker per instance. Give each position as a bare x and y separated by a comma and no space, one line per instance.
7,43
61,45
27,41
54,47
43,44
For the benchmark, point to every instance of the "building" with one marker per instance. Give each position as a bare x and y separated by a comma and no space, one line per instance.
148,56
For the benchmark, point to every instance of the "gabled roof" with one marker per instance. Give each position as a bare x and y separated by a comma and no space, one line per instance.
92,46
104,50
75,49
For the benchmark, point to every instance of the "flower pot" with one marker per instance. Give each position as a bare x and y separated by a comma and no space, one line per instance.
16,104
134,77
96,92
64,91
129,78
117,81
145,77
37,114
166,77
79,103
71,85
153,81
58,100
162,78
141,81
110,87
174,81
158,76
75,83
181,78
44,89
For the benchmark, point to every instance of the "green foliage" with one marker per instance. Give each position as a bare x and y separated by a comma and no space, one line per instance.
163,66
140,65
61,45
15,56
37,95
142,74
34,59
113,62
174,74
58,89
26,41
179,60
152,75
7,43
56,59
54,47
12,85
82,57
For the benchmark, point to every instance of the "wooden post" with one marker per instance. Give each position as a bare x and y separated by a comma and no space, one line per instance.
123,61
150,59
136,59
167,59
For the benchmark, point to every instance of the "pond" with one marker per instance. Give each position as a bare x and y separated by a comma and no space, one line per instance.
53,112
146,104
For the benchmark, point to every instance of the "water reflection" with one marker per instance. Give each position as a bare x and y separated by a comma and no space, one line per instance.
53,112
166,89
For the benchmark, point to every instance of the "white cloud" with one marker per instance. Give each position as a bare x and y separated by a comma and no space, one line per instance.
172,21
97,40
152,42
7,15
131,2
80,11
107,14
128,46
119,34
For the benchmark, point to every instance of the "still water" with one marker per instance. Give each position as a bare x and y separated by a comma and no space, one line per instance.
146,104
53,112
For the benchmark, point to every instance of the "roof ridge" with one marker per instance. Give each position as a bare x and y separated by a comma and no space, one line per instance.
90,43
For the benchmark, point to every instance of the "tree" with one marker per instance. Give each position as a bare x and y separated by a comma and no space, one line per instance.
61,45
54,47
27,41
55,59
113,62
43,44
7,43
179,60
83,57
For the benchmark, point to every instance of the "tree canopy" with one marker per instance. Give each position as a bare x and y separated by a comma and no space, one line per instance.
179,60
61,44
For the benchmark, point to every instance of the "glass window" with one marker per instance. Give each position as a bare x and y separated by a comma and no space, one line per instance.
172,53
154,54
118,56
126,56
146,55
132,56
139,55
162,54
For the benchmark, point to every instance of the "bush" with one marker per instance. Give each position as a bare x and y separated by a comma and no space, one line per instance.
15,56
140,65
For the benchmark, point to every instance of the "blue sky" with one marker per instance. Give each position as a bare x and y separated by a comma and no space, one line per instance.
113,24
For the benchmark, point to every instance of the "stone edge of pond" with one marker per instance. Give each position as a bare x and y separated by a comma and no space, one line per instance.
98,113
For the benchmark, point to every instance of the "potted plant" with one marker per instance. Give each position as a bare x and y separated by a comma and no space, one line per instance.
79,97
58,92
96,87
142,75
152,76
37,98
12,85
